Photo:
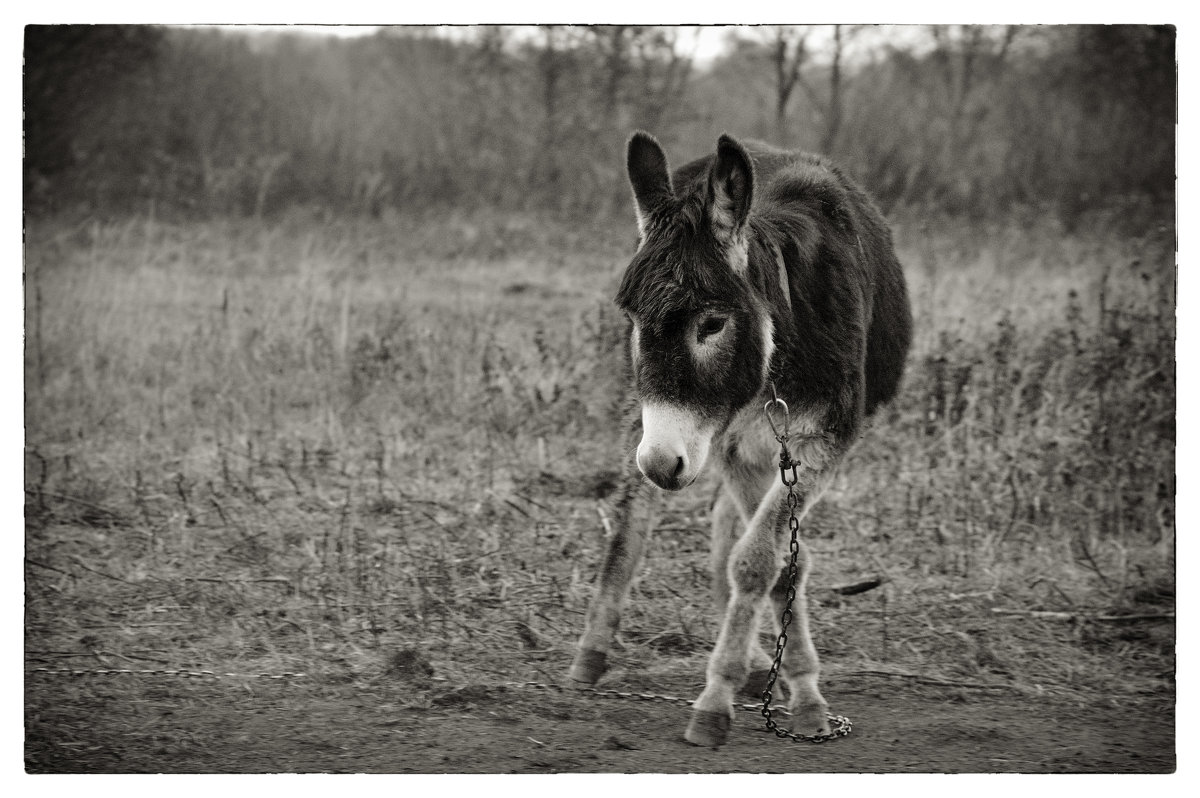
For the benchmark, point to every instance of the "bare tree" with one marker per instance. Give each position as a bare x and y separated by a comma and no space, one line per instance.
552,63
829,106
968,58
833,116
613,42
663,71
788,53
642,72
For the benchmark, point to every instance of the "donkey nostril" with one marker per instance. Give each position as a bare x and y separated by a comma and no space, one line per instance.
663,467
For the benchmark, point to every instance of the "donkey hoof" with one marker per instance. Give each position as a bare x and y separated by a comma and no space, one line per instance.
811,720
709,729
588,667
755,684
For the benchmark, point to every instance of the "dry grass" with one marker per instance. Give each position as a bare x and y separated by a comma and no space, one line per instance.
312,445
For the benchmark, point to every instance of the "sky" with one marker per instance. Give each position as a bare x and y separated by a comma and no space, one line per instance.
703,42
708,41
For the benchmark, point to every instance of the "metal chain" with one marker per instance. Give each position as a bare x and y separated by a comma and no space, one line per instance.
628,695
840,726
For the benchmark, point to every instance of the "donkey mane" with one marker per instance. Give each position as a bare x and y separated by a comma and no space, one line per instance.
677,255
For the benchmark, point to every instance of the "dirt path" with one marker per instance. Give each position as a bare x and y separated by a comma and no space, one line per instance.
187,727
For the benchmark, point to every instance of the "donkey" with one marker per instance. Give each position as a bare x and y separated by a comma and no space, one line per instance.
758,272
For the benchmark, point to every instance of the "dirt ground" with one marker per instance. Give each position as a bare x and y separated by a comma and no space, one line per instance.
210,726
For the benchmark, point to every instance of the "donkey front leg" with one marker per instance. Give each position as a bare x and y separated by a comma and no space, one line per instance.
631,523
801,667
728,525
753,570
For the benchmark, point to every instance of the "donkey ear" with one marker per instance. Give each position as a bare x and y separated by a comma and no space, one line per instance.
648,174
730,187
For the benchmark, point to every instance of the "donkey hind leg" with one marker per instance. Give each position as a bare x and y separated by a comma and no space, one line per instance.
633,518
754,569
728,523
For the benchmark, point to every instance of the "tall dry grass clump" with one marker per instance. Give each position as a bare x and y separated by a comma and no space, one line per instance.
1033,444
452,347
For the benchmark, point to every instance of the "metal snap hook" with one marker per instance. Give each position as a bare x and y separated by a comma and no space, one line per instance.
776,402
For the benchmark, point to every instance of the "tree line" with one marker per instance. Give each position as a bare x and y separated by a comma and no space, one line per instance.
954,119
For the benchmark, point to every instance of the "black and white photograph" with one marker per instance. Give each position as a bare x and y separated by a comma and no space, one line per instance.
581,397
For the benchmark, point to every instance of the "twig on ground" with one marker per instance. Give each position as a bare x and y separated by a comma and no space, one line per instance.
929,680
79,561
41,655
220,512
131,657
1087,554
861,586
534,502
231,579
608,531
515,506
48,567
41,494
1051,615
1054,585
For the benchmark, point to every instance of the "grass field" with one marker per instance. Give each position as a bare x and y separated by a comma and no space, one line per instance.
345,447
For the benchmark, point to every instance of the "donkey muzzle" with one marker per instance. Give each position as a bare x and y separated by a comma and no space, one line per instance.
674,446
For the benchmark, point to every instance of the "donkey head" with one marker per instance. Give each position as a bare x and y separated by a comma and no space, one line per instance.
701,340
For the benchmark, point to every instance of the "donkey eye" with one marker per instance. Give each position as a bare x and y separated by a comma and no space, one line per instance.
710,326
